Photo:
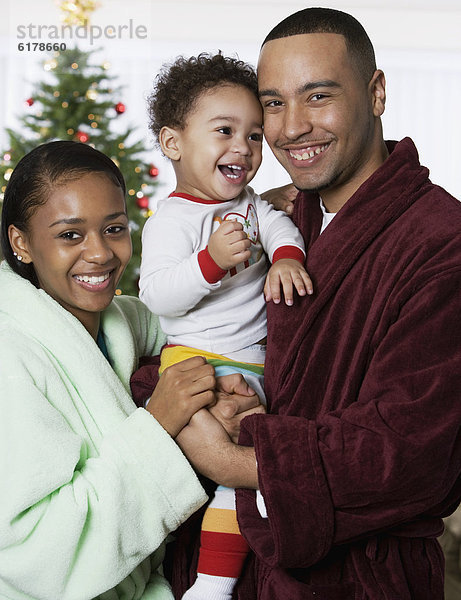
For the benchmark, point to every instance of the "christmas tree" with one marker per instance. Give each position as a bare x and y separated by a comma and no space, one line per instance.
79,103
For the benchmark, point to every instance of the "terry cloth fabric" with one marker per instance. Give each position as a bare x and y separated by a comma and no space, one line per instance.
94,485
144,379
362,454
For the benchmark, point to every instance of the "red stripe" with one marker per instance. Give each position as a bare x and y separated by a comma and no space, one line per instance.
220,563
224,542
210,270
193,198
288,252
222,554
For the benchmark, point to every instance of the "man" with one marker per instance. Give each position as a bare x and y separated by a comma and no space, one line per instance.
360,456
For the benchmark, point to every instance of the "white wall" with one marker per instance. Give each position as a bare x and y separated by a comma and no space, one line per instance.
417,45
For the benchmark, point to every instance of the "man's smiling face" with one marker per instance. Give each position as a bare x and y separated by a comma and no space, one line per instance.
319,117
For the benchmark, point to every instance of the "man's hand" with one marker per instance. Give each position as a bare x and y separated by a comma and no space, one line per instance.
282,198
229,246
285,274
212,453
234,401
182,390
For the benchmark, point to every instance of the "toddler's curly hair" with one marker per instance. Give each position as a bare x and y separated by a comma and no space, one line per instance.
178,86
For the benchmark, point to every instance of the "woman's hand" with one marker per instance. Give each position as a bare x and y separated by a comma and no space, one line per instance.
281,198
212,453
234,401
182,390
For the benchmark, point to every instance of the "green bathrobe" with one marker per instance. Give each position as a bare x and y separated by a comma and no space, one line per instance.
90,485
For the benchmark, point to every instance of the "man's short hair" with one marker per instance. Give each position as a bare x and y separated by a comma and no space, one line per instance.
328,20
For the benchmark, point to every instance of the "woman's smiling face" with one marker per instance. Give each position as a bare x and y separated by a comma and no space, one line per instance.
79,244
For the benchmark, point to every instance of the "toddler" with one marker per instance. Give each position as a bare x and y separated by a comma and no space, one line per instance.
204,258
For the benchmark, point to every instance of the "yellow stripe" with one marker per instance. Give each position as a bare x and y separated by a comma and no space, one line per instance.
220,520
175,354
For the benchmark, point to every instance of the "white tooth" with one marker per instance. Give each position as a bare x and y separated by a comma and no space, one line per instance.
307,155
93,279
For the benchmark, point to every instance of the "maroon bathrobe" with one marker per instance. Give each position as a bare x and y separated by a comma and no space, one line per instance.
361,454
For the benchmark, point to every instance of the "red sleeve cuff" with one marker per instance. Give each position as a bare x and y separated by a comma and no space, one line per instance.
288,252
210,270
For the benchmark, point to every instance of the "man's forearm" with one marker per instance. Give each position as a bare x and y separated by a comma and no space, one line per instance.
212,453
241,470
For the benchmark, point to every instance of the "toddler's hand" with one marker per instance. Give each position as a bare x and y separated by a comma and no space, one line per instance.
229,246
287,272
234,401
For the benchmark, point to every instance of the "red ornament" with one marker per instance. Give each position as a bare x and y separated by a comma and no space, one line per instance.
82,136
143,202
30,101
153,171
120,108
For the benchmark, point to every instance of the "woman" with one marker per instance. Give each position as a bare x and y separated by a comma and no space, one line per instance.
91,486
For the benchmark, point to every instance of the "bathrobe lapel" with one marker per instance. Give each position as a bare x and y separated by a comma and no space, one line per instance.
332,255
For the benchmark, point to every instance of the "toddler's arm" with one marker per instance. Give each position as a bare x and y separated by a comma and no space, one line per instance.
284,245
172,281
175,276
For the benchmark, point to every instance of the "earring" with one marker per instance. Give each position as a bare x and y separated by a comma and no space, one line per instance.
18,256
